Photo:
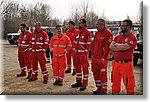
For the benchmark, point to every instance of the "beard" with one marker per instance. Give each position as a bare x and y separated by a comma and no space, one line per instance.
23,31
80,27
124,30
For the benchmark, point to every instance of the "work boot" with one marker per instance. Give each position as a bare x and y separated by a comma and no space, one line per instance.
77,84
60,83
96,92
45,81
48,61
74,73
32,79
82,88
23,73
29,77
68,71
56,82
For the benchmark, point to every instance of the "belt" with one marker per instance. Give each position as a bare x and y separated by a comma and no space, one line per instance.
58,55
123,61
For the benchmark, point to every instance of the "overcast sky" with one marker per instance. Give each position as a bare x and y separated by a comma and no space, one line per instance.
113,9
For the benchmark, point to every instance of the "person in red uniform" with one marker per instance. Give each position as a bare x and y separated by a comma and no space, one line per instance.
60,44
72,32
24,54
81,49
123,46
39,44
100,56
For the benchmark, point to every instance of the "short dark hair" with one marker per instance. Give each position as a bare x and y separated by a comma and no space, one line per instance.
48,28
84,21
24,25
129,22
102,20
27,28
71,22
38,23
58,25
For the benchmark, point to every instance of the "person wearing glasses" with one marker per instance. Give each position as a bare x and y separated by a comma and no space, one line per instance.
123,46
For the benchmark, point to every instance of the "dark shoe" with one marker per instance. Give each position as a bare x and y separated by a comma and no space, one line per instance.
56,82
97,92
68,71
74,73
82,88
47,61
32,79
60,83
29,77
21,75
45,81
77,84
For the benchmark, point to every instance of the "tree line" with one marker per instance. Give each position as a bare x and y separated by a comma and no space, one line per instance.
14,13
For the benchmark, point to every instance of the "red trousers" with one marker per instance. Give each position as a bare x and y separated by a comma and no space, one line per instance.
41,58
100,74
24,59
123,71
59,66
81,64
69,63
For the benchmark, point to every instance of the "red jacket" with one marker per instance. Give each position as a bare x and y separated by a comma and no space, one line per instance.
39,41
82,42
23,42
102,40
129,39
72,34
60,46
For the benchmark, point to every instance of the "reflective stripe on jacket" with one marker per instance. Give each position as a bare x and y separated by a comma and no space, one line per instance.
60,45
39,41
82,42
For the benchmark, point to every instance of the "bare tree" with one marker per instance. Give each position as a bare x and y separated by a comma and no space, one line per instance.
84,9
14,13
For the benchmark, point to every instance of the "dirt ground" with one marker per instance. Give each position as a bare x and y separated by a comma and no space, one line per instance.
14,85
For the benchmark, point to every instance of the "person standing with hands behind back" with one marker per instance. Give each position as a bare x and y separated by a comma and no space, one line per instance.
60,44
72,32
81,49
123,46
39,43
24,55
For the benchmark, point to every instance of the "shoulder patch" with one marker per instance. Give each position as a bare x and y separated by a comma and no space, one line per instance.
131,42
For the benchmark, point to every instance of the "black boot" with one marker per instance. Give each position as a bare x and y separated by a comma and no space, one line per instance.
60,83
29,77
77,84
56,82
96,92
68,71
23,73
45,81
32,79
82,88
74,73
